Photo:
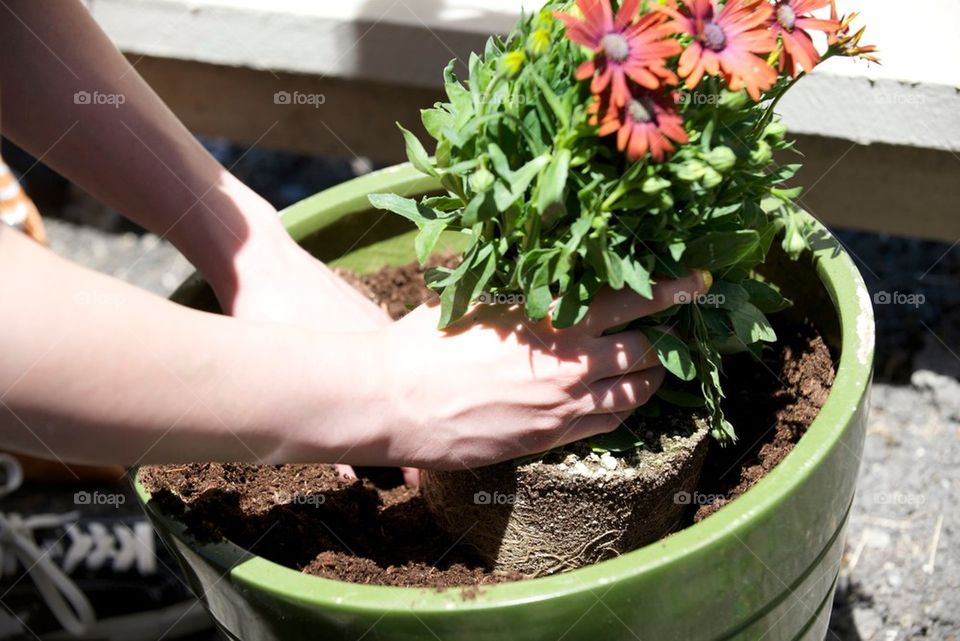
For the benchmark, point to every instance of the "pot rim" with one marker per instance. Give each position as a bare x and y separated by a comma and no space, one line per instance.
852,303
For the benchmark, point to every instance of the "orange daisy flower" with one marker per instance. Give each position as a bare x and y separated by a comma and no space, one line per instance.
648,123
726,42
849,44
790,19
623,48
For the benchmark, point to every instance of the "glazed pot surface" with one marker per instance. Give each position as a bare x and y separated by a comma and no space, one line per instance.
763,566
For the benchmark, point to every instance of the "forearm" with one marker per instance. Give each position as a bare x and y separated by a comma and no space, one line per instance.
94,370
130,151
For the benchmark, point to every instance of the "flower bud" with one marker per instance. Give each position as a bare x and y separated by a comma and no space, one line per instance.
763,154
538,42
721,158
654,184
711,178
775,130
794,243
690,170
481,180
512,62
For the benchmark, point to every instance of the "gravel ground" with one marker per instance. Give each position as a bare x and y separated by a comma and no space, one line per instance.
901,574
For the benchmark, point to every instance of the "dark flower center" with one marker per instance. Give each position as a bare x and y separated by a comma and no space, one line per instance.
615,46
713,37
786,16
640,111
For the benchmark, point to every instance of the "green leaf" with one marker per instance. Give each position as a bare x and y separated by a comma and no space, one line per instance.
786,194
784,172
552,100
536,273
518,181
537,302
444,204
677,249
765,297
481,208
727,295
427,239
574,302
499,161
406,207
750,325
458,95
417,155
473,66
457,296
622,439
637,277
552,186
719,249
673,353
614,266
441,278
434,120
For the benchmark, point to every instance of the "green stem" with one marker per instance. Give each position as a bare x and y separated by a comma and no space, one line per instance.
613,197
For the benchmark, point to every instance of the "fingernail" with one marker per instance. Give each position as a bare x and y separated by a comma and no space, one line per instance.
706,279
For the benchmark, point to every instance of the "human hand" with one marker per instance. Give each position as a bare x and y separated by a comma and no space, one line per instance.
496,386
285,284
293,288
282,283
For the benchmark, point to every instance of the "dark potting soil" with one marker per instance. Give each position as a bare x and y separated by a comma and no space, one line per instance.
376,531
771,405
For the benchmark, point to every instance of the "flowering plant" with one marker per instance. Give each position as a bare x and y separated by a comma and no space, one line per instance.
620,143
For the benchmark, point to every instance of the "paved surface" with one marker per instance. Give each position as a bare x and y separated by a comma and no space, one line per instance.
901,575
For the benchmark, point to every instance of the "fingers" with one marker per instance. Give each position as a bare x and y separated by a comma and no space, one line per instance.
621,354
346,471
611,402
623,393
591,425
411,476
612,308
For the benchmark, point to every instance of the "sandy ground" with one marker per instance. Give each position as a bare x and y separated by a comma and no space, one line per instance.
901,574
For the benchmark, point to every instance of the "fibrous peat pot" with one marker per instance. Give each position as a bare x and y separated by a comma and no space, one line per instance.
764,566
572,507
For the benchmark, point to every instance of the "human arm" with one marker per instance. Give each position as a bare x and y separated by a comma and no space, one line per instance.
70,97
98,371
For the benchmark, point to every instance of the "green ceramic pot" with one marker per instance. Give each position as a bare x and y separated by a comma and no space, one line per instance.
764,567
